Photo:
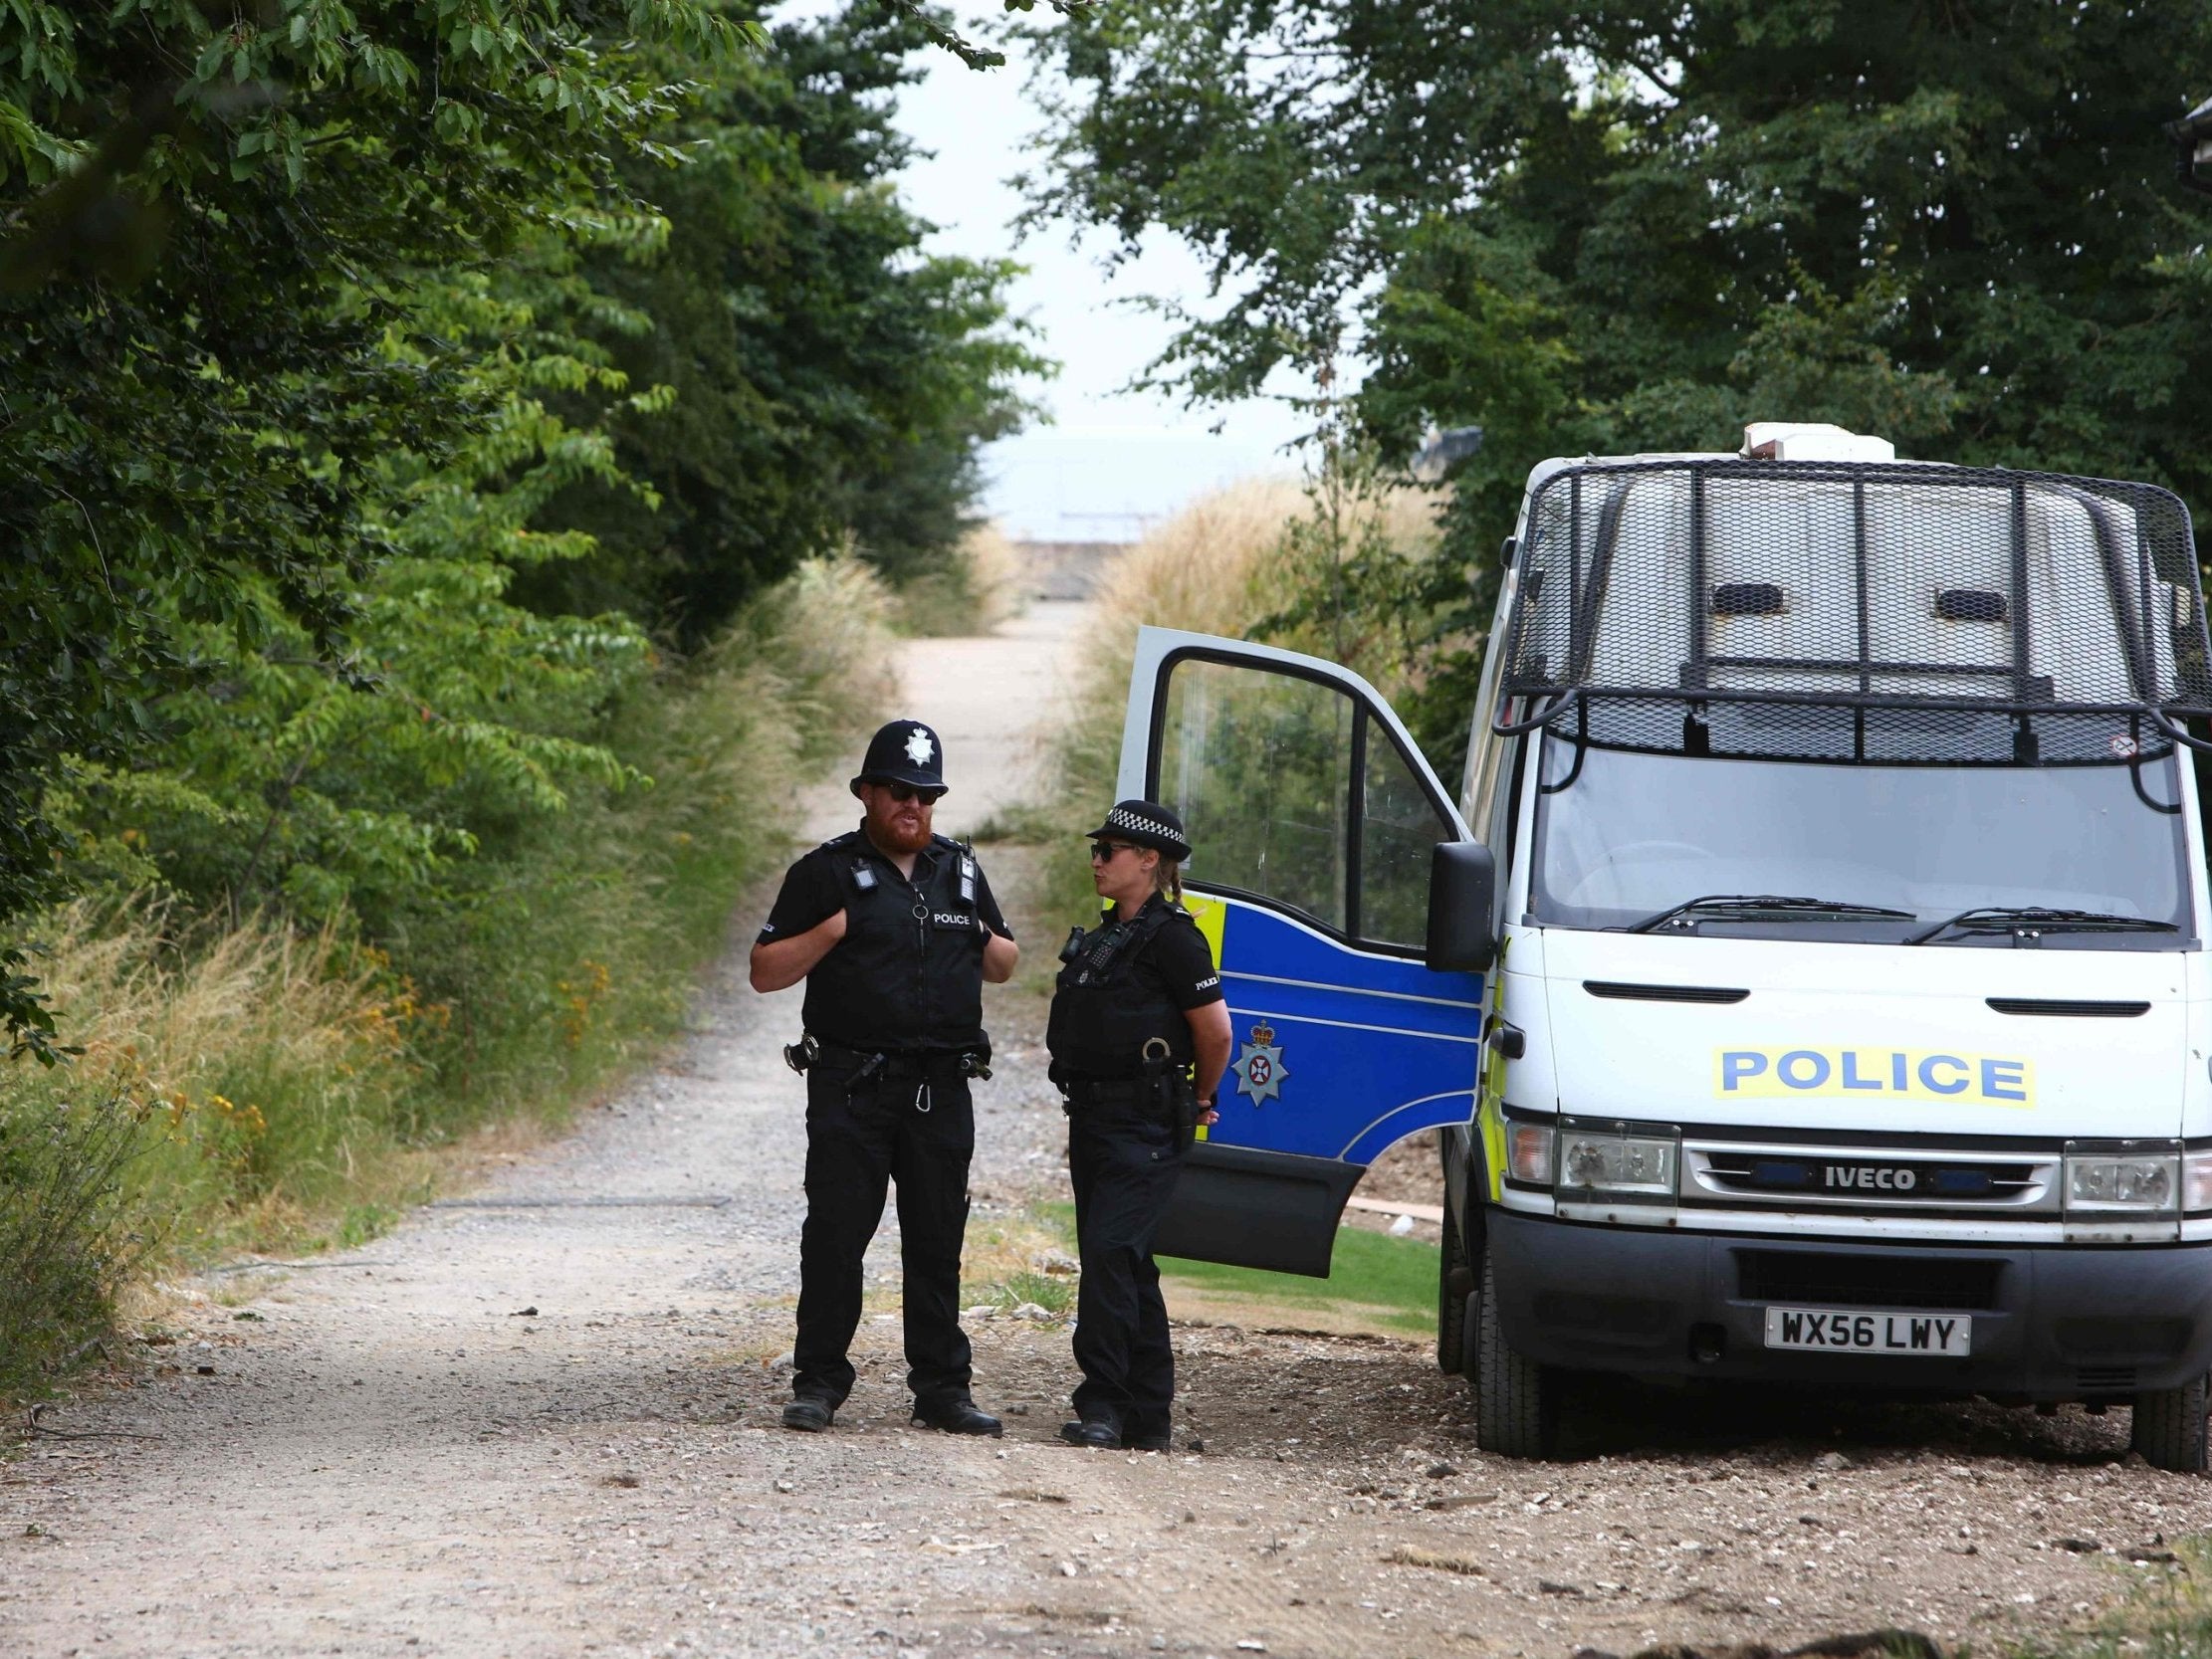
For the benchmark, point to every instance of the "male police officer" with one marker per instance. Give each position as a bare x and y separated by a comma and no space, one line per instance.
894,929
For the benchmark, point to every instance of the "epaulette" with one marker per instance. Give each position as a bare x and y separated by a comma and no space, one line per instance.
839,843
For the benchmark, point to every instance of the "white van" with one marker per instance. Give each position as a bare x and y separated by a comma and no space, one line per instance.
1809,978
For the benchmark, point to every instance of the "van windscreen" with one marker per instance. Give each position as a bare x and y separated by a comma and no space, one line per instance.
1621,835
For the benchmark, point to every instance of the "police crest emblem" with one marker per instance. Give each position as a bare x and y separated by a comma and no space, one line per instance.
1259,1069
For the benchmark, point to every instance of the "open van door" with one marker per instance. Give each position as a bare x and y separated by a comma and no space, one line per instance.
1314,822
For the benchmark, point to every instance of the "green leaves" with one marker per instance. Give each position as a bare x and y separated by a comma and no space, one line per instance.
330,332
1615,227
823,380
1670,177
262,403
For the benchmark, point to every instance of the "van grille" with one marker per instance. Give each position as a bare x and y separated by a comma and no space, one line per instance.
1784,1174
1818,1279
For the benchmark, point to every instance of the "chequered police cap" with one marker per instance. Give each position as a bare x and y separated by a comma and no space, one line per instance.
1146,824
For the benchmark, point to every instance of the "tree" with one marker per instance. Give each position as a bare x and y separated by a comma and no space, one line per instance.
215,222
1614,227
831,379
274,781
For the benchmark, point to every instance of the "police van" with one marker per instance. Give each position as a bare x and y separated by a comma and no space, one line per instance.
1808,978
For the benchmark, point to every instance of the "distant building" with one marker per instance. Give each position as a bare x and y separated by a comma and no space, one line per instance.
1065,570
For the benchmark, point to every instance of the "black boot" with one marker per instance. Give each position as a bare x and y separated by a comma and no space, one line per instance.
1099,1433
956,1416
809,1413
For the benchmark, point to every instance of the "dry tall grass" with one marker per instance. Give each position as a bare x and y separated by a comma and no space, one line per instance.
268,1066
981,588
995,574
1223,566
235,1085
1207,569
822,636
1234,558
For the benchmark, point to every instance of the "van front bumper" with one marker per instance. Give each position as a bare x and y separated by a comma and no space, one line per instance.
2051,1323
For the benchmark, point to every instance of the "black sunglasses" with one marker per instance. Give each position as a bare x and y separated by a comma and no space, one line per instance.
904,792
1102,852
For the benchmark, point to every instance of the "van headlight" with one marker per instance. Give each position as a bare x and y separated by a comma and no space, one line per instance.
1615,1161
2122,1184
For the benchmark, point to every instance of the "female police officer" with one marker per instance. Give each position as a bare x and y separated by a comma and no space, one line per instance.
1137,1013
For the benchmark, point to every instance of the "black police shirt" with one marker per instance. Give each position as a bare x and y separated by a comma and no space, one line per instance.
908,975
1179,964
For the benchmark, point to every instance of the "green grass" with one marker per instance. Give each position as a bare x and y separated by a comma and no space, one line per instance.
1008,1260
2167,1614
1375,1281
1392,1280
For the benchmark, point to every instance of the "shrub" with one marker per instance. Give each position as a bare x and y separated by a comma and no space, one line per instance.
567,959
250,1084
65,1241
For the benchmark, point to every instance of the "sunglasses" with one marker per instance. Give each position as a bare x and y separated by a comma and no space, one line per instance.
904,792
1102,852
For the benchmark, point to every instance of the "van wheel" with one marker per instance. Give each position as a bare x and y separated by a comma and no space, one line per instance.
1455,1290
2169,1427
1516,1401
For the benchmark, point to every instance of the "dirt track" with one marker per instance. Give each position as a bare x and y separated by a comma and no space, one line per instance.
540,1420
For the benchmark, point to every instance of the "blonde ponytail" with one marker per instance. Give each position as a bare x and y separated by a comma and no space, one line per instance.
1167,879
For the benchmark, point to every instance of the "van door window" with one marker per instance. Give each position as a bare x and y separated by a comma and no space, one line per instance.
1398,827
1290,792
1259,766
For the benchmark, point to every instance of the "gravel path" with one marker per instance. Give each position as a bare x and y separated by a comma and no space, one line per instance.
538,1419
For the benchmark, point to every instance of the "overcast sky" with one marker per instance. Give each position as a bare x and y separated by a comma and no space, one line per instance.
1109,462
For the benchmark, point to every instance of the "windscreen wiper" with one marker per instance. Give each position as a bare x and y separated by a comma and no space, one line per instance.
1747,905
2037,919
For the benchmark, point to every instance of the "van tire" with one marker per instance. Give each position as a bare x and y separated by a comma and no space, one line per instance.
1516,1401
1455,1291
2169,1427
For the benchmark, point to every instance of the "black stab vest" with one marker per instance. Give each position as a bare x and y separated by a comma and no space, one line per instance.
908,976
1103,1014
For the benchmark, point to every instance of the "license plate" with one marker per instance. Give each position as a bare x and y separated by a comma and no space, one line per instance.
1853,1332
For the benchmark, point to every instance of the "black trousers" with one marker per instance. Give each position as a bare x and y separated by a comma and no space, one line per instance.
1124,1167
858,1138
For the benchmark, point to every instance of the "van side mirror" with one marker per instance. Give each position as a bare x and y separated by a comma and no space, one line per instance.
1462,899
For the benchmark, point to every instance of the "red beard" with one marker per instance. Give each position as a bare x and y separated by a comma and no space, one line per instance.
898,829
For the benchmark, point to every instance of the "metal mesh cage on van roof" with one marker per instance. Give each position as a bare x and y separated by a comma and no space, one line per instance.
1878,612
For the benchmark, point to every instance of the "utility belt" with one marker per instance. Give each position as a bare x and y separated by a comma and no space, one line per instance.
923,1068
1162,1093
